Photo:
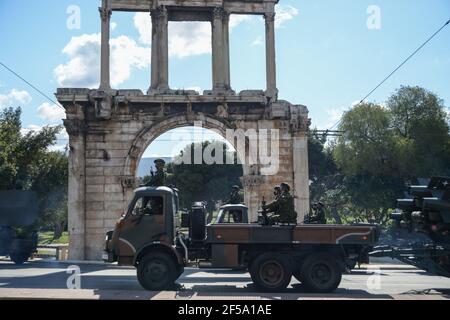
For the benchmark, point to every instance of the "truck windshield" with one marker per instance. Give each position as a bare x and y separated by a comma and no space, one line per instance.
148,206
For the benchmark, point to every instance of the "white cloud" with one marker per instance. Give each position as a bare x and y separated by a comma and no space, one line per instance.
198,89
259,41
14,97
237,19
185,38
83,68
113,26
31,128
189,39
284,13
143,23
51,112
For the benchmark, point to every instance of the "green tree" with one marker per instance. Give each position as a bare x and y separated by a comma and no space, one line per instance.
205,182
26,163
51,185
420,125
366,156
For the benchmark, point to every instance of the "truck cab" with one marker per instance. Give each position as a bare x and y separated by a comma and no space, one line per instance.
149,236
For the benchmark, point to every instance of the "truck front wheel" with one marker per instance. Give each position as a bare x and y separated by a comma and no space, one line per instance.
157,271
271,272
320,273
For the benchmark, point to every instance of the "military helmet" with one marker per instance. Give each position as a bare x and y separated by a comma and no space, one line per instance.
160,161
236,187
285,186
277,188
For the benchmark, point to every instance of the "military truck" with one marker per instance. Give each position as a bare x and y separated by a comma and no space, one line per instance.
18,213
148,237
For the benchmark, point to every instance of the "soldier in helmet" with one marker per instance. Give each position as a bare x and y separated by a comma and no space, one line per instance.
283,208
159,178
318,216
236,196
277,192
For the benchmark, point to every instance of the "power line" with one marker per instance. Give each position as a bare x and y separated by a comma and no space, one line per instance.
398,68
31,85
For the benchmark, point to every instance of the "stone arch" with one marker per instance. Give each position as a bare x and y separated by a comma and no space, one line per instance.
150,133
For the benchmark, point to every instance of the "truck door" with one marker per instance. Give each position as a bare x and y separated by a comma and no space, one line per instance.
146,224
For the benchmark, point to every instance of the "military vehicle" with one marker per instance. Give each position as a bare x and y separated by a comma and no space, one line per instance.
18,213
150,239
426,210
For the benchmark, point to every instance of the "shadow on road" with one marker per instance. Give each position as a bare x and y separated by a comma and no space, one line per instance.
112,282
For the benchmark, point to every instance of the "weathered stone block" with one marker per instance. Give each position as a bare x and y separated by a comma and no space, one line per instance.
94,188
113,188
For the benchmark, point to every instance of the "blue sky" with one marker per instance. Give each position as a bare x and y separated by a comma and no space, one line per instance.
327,57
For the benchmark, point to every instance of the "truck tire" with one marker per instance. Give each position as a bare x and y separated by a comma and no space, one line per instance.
271,272
320,273
157,271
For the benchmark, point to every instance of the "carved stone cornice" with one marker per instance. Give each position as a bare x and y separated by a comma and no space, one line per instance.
75,126
300,121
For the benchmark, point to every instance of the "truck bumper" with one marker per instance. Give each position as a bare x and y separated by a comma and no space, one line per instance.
108,257
108,254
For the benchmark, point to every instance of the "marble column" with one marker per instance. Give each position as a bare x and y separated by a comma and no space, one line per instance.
271,72
301,174
163,50
226,50
155,52
217,50
105,15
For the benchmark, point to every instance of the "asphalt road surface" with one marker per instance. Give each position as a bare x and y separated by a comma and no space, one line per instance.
383,279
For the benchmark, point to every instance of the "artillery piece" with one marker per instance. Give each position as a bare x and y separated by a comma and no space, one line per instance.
427,211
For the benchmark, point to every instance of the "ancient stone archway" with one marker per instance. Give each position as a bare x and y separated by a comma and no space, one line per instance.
110,129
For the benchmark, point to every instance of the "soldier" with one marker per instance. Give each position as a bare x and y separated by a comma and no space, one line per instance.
277,192
319,214
236,196
283,209
159,179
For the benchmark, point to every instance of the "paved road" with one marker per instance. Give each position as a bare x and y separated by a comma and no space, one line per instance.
380,280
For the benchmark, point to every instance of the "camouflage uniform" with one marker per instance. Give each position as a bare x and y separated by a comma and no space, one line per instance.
236,196
283,209
159,179
319,214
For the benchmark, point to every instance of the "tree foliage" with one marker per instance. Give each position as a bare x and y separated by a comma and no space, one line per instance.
26,163
383,149
205,182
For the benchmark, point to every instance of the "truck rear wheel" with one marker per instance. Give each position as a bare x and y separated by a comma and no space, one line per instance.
157,271
320,273
271,272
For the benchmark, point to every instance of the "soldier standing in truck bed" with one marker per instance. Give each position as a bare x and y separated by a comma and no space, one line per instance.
283,208
236,196
159,179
